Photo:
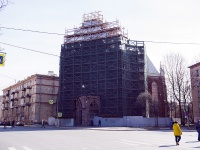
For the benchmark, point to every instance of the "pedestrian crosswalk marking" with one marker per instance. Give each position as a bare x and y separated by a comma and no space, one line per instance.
141,143
11,148
135,142
123,142
26,148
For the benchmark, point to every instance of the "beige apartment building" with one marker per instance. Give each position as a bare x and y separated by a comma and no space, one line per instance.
195,86
31,100
1,100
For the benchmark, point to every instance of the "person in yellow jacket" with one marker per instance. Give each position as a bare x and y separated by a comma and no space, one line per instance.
177,132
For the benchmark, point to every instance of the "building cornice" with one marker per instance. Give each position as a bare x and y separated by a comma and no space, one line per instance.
195,65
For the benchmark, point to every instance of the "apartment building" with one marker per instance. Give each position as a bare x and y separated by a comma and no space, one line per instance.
195,86
1,100
31,100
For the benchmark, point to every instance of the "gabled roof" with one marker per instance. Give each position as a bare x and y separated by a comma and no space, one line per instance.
195,65
151,69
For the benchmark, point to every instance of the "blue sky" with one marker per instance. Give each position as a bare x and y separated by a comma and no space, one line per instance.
148,20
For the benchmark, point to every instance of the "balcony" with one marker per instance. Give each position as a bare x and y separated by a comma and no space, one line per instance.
11,107
23,96
8,93
12,98
28,95
29,87
16,91
23,89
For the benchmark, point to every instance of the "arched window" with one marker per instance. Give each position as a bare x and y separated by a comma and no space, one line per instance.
93,106
154,91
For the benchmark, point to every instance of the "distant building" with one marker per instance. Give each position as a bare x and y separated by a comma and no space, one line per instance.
1,100
157,89
31,100
195,87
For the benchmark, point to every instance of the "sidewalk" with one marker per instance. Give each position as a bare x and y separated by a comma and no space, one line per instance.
117,128
110,128
90,128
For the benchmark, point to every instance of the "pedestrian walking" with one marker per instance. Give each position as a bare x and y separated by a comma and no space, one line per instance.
43,124
91,122
13,124
4,124
177,132
99,122
198,129
171,124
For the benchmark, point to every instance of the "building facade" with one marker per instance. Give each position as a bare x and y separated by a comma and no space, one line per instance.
31,100
195,87
1,100
98,59
158,90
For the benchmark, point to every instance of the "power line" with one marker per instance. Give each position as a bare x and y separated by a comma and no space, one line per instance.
29,49
172,43
8,77
60,57
26,30
42,32
4,86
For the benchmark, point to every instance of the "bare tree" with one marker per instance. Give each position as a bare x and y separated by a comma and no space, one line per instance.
150,105
178,80
196,59
143,101
190,113
3,3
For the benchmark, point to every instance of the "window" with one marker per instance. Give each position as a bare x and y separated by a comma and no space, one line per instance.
32,100
199,106
154,91
11,104
197,73
198,93
197,82
22,101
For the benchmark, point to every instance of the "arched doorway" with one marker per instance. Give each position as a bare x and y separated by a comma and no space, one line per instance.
86,108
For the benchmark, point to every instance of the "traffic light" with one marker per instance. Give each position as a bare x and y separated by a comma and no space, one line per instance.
2,59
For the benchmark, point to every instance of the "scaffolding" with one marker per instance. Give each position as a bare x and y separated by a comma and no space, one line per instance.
98,59
93,28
